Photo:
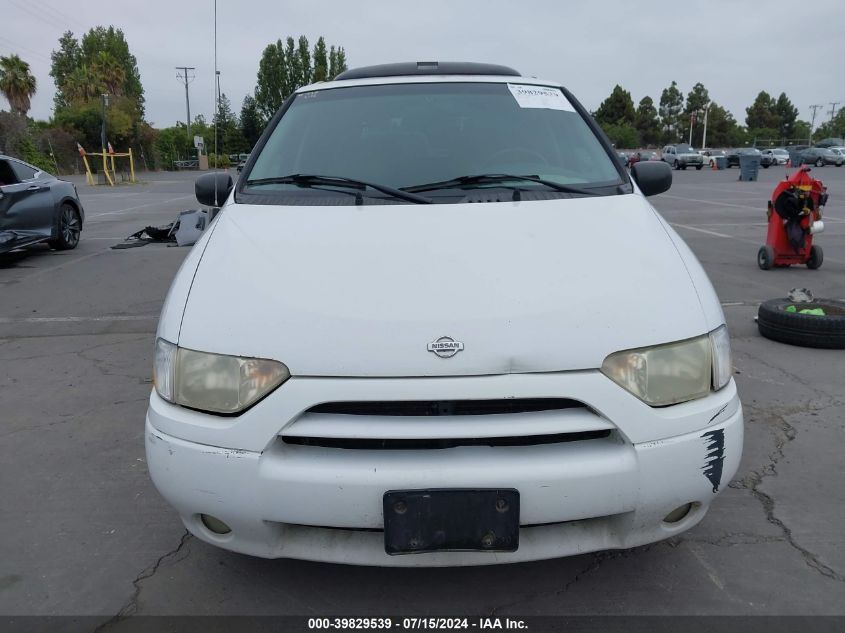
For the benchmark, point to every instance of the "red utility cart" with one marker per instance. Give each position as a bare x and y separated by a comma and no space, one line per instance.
794,214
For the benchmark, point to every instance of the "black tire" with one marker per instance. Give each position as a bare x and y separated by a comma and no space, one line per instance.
684,167
816,257
765,257
698,167
676,165
806,330
766,166
69,228
820,163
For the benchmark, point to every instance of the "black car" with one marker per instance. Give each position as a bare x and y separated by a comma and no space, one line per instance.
733,155
37,207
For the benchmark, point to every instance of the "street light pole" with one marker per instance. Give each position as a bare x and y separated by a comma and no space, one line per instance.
704,136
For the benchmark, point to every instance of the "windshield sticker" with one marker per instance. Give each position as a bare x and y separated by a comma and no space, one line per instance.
540,97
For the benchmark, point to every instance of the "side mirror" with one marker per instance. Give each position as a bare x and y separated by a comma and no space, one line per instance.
213,189
652,177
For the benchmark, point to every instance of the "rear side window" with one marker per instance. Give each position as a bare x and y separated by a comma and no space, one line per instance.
23,172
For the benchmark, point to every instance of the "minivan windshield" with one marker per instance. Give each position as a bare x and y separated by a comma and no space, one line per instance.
430,137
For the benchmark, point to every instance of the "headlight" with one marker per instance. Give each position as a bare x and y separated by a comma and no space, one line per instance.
675,372
213,382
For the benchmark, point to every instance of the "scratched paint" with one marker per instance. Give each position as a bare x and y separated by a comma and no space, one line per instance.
715,441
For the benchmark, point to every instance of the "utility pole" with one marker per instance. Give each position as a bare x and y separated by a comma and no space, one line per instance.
814,108
704,136
833,105
187,77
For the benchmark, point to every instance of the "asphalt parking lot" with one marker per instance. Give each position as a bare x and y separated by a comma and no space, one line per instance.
85,532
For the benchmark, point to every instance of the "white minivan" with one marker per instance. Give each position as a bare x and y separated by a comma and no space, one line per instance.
435,322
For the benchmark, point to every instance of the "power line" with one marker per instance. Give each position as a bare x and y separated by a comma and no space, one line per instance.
187,77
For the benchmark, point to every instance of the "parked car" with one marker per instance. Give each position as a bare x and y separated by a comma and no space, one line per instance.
733,155
642,155
242,158
840,151
37,207
710,155
776,156
348,369
820,156
767,160
682,156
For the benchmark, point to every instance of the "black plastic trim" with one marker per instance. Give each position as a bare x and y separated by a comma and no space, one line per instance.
404,69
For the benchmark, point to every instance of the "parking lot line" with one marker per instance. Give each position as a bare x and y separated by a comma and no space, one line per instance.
140,206
80,319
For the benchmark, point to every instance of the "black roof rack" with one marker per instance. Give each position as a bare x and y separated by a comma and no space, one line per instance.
427,68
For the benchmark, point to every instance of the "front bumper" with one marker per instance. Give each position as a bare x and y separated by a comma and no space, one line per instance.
325,504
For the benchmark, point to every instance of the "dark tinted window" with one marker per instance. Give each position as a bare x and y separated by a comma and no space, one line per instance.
23,172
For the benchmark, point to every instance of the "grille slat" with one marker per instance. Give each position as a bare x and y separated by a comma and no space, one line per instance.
442,443
427,408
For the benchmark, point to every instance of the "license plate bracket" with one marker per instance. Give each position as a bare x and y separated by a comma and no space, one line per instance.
451,519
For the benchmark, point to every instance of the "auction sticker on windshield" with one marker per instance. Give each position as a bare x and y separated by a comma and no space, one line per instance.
540,97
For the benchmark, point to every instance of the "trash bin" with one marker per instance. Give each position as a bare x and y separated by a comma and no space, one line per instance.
795,158
749,167
721,162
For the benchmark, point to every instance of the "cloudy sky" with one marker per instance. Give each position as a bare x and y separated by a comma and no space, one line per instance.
734,47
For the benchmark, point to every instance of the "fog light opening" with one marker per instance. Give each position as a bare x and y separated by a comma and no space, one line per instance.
215,525
679,514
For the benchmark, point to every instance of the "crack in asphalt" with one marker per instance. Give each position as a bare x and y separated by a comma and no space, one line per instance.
729,539
131,606
597,561
784,433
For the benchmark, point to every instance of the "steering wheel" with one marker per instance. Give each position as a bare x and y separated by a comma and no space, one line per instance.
516,151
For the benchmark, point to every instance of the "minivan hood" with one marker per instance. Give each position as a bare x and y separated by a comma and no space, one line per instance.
533,286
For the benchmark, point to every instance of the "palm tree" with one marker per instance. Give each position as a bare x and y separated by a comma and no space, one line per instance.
110,71
16,83
83,85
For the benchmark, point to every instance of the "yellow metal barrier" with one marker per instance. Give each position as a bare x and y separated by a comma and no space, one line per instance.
109,170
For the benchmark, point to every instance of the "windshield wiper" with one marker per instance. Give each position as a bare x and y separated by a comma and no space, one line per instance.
309,180
485,179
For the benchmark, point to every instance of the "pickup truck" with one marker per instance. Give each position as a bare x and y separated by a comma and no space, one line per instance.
682,156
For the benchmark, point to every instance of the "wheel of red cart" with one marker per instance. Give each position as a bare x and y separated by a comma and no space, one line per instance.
816,257
766,257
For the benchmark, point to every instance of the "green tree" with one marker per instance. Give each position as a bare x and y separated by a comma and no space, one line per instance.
697,100
617,109
622,135
321,60
671,106
722,129
82,85
287,66
110,72
251,126
788,115
16,83
112,41
831,128
304,55
272,87
64,61
229,138
646,122
337,61
761,114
